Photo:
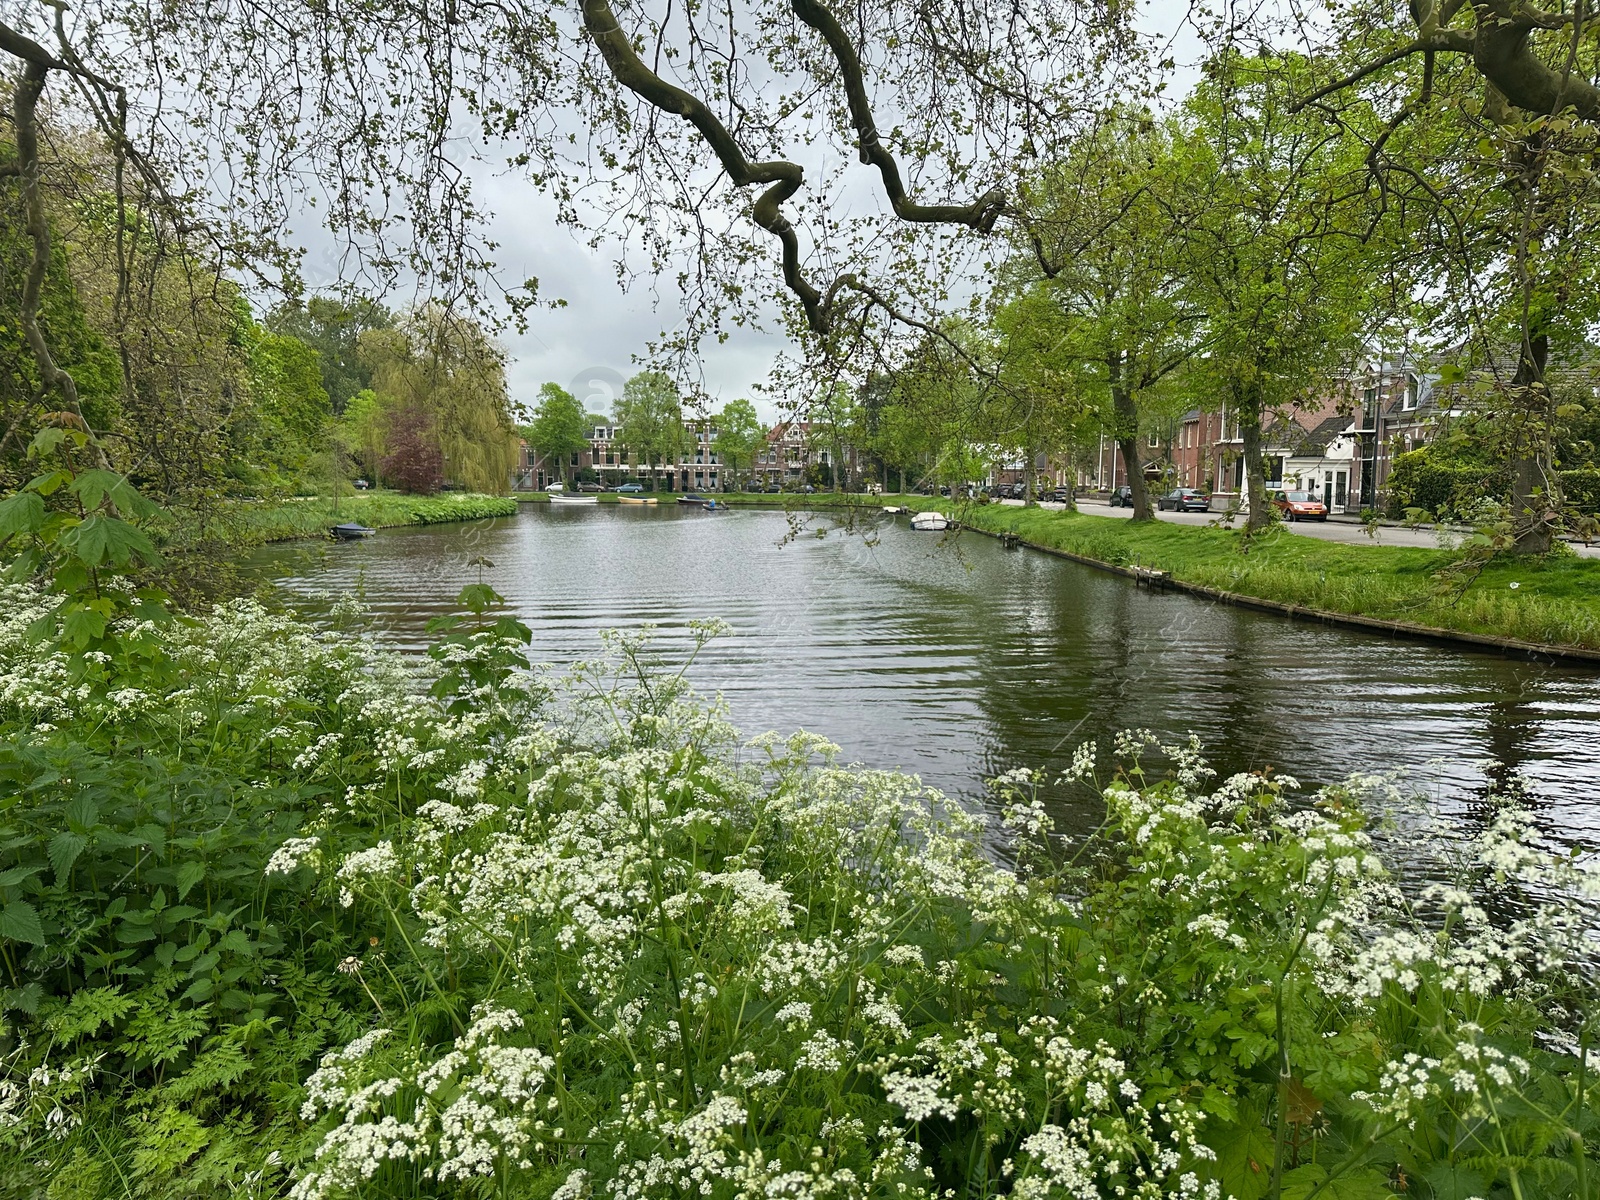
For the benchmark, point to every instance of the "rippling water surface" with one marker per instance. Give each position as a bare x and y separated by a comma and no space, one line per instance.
957,662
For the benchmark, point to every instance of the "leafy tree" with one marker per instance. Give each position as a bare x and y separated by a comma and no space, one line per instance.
1273,254
1104,229
560,427
361,430
333,328
739,436
414,462
446,366
649,415
289,399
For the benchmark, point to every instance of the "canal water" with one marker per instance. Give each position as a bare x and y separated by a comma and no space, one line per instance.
959,661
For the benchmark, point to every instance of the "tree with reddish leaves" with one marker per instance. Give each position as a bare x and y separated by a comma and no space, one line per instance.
414,462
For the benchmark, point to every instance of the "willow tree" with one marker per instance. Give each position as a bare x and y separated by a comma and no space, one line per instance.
446,366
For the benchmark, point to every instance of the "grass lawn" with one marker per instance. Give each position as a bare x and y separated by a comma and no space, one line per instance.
1554,601
251,523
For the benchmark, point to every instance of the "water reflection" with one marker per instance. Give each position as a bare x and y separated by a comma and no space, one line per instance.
960,663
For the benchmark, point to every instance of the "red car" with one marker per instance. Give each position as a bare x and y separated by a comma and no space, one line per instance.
1299,506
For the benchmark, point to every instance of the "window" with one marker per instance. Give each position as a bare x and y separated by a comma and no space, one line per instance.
1154,440
1413,392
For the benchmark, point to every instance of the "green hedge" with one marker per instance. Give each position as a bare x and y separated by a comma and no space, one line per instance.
1418,481
1581,489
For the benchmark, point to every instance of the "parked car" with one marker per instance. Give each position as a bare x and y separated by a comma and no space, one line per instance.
591,487
1299,506
557,486
1121,498
362,485
1184,500
773,488
630,488
1060,496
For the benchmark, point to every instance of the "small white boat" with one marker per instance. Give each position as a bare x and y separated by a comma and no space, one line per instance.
564,498
930,522
895,510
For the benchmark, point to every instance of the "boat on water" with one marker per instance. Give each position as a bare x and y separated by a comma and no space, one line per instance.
637,500
565,498
930,522
351,532
692,498
716,506
894,510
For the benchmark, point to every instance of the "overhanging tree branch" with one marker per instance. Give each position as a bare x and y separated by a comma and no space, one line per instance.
785,178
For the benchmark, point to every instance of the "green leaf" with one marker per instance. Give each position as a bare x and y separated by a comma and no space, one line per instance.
1360,1184
46,440
1450,1181
81,626
94,488
102,539
189,874
82,814
15,875
1244,1157
64,850
478,597
19,921
22,999
22,513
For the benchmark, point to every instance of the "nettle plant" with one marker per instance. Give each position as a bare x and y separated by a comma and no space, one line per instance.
164,998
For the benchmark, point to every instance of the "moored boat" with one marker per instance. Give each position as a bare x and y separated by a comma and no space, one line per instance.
567,498
636,500
692,498
351,532
930,522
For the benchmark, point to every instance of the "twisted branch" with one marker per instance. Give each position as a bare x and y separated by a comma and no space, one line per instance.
785,178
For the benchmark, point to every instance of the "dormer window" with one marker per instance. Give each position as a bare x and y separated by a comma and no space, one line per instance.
1413,392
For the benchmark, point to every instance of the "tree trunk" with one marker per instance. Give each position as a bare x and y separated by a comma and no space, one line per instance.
1125,419
1534,502
1030,478
1255,479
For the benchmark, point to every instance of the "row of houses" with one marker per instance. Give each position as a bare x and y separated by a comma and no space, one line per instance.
786,458
1340,448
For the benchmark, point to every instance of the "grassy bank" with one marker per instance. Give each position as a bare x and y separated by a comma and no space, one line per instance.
252,523
1554,602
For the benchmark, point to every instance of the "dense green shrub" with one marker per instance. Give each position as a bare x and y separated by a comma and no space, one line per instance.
1418,480
1580,489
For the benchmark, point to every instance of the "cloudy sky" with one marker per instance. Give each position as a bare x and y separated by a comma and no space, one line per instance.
589,347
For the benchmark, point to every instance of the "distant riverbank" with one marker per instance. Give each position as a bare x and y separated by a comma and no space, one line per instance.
255,523
1551,603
